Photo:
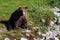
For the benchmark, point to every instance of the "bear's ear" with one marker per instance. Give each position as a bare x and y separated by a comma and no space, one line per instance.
19,7
26,7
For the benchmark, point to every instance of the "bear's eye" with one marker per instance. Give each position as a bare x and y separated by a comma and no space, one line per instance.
26,7
20,7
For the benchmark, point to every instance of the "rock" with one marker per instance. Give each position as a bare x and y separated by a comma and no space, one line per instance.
49,35
56,38
44,35
59,20
55,10
23,38
43,20
6,38
39,33
51,23
35,27
28,31
27,34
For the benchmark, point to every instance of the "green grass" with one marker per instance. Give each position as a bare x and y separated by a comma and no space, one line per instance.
8,7
37,9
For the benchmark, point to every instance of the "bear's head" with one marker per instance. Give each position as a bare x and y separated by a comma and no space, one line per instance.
23,9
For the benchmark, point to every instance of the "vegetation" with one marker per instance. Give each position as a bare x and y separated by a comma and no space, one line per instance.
37,9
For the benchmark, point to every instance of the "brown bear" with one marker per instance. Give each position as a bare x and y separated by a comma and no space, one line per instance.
18,18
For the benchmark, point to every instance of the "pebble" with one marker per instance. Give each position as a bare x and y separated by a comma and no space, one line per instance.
6,38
